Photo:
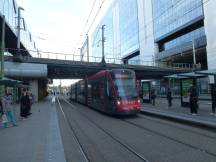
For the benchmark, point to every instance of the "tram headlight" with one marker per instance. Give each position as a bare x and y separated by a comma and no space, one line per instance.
139,101
118,102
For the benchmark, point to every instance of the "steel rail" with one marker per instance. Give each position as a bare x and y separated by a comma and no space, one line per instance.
129,148
84,154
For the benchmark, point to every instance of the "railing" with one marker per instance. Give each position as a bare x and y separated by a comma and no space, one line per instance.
73,57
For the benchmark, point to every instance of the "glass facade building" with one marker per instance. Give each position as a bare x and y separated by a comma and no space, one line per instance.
179,25
168,15
165,31
9,8
120,41
131,35
195,34
128,23
108,35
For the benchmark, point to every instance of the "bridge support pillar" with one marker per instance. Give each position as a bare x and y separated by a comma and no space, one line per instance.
38,88
33,84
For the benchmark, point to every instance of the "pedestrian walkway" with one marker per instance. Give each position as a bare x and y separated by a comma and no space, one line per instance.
36,139
182,114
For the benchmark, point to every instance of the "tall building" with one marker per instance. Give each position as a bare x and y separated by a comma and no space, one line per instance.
179,31
121,33
163,31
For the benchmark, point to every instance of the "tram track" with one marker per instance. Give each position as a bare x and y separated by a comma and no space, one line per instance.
176,126
168,137
84,154
116,139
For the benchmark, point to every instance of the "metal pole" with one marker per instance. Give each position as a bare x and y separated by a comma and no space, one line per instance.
103,40
87,48
60,87
2,46
18,29
194,54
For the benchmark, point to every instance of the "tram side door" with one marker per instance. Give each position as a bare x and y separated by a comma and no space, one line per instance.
102,95
110,97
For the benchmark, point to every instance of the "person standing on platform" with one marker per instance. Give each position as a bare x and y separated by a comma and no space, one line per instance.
193,100
213,94
153,96
1,107
29,102
8,100
23,105
169,97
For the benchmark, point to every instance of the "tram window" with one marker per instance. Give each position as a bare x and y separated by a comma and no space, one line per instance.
108,88
95,91
89,90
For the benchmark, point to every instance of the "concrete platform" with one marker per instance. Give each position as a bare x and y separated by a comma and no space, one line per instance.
36,139
181,114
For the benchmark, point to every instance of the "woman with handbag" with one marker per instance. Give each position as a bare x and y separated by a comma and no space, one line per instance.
8,100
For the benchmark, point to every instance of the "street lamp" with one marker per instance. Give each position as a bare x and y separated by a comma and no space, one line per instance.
18,29
2,47
194,54
103,41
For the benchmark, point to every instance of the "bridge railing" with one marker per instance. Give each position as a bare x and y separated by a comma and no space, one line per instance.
73,57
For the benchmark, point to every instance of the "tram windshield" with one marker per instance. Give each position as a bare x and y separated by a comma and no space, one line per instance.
125,84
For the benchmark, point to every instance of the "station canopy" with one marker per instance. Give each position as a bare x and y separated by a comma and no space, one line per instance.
191,75
196,74
207,72
9,82
185,75
175,76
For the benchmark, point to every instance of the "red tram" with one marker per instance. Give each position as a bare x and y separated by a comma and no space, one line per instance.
110,91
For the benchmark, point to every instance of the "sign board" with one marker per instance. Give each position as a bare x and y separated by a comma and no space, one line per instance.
146,91
185,86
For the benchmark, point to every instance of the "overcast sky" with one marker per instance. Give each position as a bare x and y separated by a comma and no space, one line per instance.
56,25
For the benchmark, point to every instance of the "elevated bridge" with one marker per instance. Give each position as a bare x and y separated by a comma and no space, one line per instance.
68,69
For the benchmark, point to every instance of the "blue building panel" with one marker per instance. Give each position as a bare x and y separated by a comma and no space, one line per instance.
128,32
169,15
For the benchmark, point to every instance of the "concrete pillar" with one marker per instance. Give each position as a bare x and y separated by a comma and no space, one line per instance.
34,89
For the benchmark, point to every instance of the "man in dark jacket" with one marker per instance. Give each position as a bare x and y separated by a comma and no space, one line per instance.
213,94
1,107
24,103
152,96
193,100
169,97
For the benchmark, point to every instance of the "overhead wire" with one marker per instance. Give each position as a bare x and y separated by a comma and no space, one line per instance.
98,11
87,20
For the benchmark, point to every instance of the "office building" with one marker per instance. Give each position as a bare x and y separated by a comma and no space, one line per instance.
163,31
167,32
